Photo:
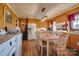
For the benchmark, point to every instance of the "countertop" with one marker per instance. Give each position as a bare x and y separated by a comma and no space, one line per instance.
4,38
74,33
68,32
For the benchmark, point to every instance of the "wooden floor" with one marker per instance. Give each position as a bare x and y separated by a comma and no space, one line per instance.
29,48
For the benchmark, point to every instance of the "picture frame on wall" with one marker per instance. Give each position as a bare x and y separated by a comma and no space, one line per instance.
8,16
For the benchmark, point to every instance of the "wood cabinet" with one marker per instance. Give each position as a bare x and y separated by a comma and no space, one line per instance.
73,41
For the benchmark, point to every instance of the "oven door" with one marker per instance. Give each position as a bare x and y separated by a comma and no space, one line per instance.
12,52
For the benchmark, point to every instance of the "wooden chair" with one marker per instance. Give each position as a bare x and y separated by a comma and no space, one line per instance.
40,44
59,45
62,44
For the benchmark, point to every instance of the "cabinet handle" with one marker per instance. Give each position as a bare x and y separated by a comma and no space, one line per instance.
10,43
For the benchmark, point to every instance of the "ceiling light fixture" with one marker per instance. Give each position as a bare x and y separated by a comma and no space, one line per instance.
44,18
43,12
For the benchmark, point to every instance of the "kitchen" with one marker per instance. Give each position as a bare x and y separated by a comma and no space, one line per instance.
21,28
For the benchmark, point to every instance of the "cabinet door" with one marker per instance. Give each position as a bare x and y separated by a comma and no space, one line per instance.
74,39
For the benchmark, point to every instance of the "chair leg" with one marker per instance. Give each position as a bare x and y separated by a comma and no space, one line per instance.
58,53
38,50
65,52
41,51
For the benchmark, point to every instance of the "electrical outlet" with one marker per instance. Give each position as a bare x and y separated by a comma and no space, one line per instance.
77,43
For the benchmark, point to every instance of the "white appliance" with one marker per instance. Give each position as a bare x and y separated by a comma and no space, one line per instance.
31,31
8,48
12,52
2,32
13,47
19,44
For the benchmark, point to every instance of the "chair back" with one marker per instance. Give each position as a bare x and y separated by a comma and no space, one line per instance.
38,36
63,40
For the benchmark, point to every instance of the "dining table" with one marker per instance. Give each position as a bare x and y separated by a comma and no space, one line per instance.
47,37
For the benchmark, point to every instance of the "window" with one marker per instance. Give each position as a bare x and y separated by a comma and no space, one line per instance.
75,23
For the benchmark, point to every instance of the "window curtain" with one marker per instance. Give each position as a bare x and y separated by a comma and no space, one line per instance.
71,18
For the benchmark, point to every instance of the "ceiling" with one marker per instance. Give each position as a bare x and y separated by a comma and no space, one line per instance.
33,10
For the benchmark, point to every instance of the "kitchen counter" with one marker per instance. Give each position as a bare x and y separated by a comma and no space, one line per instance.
12,33
75,33
4,38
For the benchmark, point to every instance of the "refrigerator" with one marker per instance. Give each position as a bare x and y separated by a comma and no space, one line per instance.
31,31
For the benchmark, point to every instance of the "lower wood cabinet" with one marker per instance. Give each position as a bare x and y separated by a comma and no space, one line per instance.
73,41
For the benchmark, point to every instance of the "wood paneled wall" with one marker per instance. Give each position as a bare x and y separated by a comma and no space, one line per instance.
64,17
1,15
38,22
41,24
3,8
23,23
49,22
